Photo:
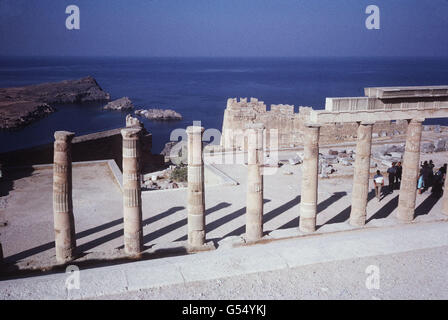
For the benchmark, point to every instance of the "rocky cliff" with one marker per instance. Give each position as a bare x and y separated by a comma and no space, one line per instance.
20,106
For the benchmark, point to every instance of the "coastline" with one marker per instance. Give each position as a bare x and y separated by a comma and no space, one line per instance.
20,106
198,88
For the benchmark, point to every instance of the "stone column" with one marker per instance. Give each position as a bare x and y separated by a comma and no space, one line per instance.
254,197
308,201
196,196
445,196
132,198
64,222
411,159
361,175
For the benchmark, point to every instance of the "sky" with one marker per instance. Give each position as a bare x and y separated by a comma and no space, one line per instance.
217,28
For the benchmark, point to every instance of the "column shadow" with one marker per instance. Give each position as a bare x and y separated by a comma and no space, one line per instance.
426,206
89,245
295,223
180,223
385,210
344,215
118,233
223,220
268,216
330,200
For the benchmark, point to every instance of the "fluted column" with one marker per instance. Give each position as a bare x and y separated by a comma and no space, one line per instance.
308,201
361,175
411,159
254,197
132,199
196,196
445,196
64,222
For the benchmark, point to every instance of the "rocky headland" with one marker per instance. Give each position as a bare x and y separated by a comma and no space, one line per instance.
159,114
19,106
125,104
121,104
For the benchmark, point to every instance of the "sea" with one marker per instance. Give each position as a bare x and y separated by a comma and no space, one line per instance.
198,88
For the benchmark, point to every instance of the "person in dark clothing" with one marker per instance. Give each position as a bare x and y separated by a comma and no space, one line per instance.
437,183
430,173
431,165
444,169
425,172
398,174
391,175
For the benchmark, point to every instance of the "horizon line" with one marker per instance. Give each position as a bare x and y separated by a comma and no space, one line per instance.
224,57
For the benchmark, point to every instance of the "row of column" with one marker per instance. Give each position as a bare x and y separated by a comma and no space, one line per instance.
64,224
65,240
408,189
196,195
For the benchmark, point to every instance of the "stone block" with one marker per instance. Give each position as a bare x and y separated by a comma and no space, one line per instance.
395,148
345,162
295,160
427,147
441,145
396,155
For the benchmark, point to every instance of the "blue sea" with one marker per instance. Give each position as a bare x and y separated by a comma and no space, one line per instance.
198,88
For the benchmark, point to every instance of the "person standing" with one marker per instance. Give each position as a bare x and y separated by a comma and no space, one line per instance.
430,173
398,175
378,181
444,168
437,184
426,173
391,175
421,184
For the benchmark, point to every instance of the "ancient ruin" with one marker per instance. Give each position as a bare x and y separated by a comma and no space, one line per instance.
308,200
196,192
64,224
291,125
405,108
132,202
409,105
254,206
361,174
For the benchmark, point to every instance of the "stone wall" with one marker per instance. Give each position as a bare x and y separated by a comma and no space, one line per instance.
289,124
96,146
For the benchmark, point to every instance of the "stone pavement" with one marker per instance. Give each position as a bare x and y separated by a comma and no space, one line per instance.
226,263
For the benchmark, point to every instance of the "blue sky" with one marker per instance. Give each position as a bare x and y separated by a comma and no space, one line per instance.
213,28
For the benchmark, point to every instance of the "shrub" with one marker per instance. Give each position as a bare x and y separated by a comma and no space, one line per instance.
180,174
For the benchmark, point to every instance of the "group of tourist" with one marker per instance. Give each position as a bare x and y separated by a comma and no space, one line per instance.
428,177
394,175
